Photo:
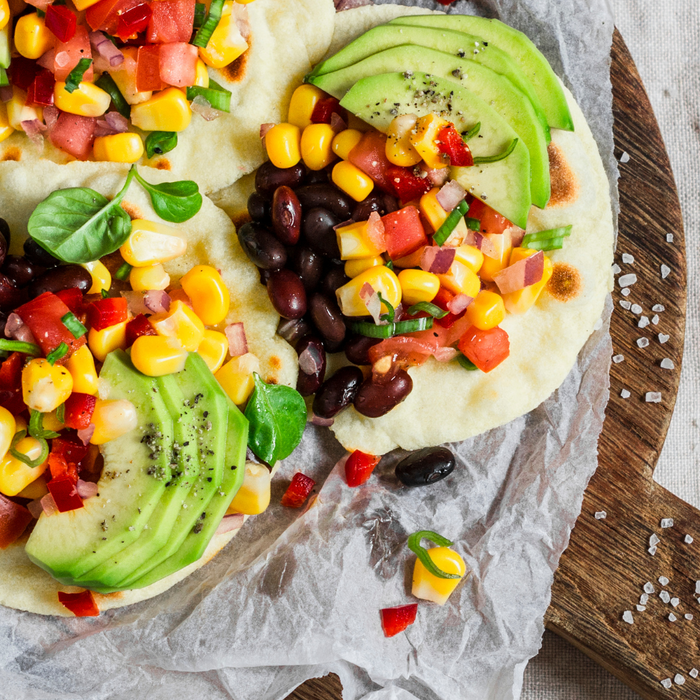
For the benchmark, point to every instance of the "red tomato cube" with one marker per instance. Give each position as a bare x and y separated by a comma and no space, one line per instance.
403,232
148,69
74,134
65,494
105,14
73,299
359,467
107,312
79,410
41,91
491,220
68,53
70,448
178,63
395,620
138,326
370,156
298,491
61,468
80,604
442,299
407,186
486,349
61,22
11,372
449,141
133,21
325,108
14,519
171,21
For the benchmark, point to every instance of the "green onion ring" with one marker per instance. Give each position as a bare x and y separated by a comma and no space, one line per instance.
422,553
33,463
19,346
498,156
450,223
434,311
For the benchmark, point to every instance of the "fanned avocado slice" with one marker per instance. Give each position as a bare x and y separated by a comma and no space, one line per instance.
503,185
494,89
518,46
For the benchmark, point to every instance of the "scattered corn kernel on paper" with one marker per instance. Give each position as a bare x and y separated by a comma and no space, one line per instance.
296,595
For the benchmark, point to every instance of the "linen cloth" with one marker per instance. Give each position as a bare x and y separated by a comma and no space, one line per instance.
663,40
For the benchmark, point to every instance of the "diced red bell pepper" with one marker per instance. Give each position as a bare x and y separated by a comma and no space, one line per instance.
60,468
73,299
70,448
74,134
107,312
79,409
298,491
491,220
138,326
450,142
395,620
407,186
325,108
14,519
64,492
171,21
43,316
446,2
42,89
105,14
22,72
442,299
359,467
61,21
486,349
403,232
11,372
80,604
370,156
133,21
148,69
68,53
178,63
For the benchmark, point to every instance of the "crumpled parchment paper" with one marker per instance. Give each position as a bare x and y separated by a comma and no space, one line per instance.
297,595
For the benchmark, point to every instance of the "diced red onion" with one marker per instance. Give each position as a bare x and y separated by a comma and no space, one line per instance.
135,302
17,329
437,260
85,435
49,505
370,298
237,341
40,4
445,354
86,489
516,235
46,60
478,240
522,274
62,59
35,508
156,301
50,117
230,522
323,422
264,128
106,49
337,122
310,360
341,5
6,93
450,195
34,129
113,123
201,106
375,231
239,12
459,303
437,176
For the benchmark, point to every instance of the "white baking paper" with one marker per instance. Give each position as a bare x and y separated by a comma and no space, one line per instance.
297,595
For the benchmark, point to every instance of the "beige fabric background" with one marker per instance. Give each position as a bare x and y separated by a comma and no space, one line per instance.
663,39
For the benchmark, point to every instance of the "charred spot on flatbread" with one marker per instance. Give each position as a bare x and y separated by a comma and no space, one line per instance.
236,71
162,164
12,153
565,184
565,283
132,210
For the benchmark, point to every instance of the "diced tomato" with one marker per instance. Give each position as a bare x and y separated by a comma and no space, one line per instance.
61,468
411,349
491,221
107,312
442,299
486,349
298,491
148,69
42,89
407,186
178,63
80,604
104,15
403,232
70,448
450,142
325,108
370,156
43,316
61,21
67,54
22,72
12,401
79,409
73,299
359,467
395,620
133,21
138,326
64,492
74,134
171,21
14,519
11,372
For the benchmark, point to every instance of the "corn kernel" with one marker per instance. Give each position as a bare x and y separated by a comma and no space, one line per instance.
81,5
253,497
101,278
151,243
354,267
5,129
492,266
182,323
213,349
21,423
50,421
382,280
103,342
435,215
201,74
143,279
354,243
461,280
352,180
15,475
37,489
5,13
345,141
283,145
32,38
156,355
486,311
417,285
18,111
8,427
423,137
317,146
519,302
301,106
399,149
118,148
81,366
87,101
472,257
126,79
226,43
208,294
167,110
427,586
113,419
45,386
236,377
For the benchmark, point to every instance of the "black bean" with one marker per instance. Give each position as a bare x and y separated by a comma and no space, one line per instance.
377,397
3,321
286,292
425,467
293,330
286,215
312,364
10,296
317,225
327,318
59,278
308,265
335,277
264,275
338,392
362,210
37,255
258,207
357,349
327,196
4,246
19,270
319,177
268,178
5,232
263,249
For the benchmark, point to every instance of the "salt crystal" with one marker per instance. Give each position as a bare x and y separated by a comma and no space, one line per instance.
678,679
641,608
643,322
654,539
665,271
627,617
626,292
598,324
636,309
649,587
616,269
627,258
665,596
667,363
644,599
669,238
653,397
675,602
688,539
672,617
667,683
694,673
697,586
652,551
600,515
666,522
625,394
618,358
627,280
663,338
643,342
658,308
625,304
688,616
663,580
625,157
655,319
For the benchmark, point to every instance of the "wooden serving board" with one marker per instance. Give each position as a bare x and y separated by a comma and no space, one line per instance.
604,569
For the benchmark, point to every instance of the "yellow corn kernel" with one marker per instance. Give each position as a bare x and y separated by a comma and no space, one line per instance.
382,280
345,141
208,293
226,43
143,279
283,145
472,257
118,148
102,342
354,267
45,386
15,475
181,323
417,285
101,278
317,146
301,106
423,136
126,79
435,215
244,2
354,243
50,421
8,427
427,586
253,497
37,489
167,110
399,149
236,377
156,355
201,74
213,349
32,38
113,419
519,302
352,180
18,111
5,129
151,243
461,280
21,423
487,310
492,266
81,366
87,101
81,5
5,13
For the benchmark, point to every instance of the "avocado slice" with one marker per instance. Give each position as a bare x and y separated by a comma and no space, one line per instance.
528,57
494,89
503,185
5,56
134,478
459,44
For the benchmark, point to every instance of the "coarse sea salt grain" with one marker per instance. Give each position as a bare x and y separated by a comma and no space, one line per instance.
665,271
616,269
688,616
643,322
697,586
666,522
627,258
625,157
669,238
641,608
663,338
654,539
653,397
667,363
625,304
643,342
652,551
678,679
618,358
655,319
662,580
636,309
627,280
693,673
675,602
665,596
667,683
649,587
644,599
625,394
600,515
672,617
658,308
688,539
626,292
627,617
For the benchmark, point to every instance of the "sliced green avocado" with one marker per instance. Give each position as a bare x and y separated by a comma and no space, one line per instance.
136,471
503,185
494,89
5,46
518,46
459,44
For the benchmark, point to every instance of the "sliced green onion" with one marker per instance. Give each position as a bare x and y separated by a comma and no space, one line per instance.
200,14
19,346
450,223
201,38
61,413
466,363
391,313
123,272
57,353
549,244
36,426
389,264
76,75
473,224
413,325
41,13
33,463
216,95
76,328
160,142
499,156
106,82
546,235
389,330
422,553
4,80
472,132
434,311
104,293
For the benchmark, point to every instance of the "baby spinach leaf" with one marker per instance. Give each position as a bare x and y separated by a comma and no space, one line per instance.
277,416
160,142
174,201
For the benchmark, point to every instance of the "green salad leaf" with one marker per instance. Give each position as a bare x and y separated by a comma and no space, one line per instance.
174,201
160,142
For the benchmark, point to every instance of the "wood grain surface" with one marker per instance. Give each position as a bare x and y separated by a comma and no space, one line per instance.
603,571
